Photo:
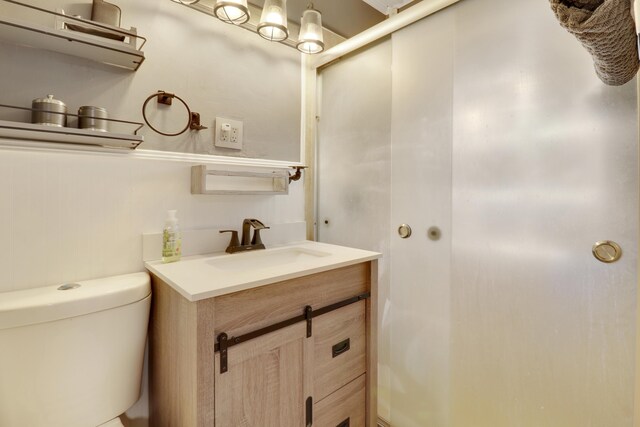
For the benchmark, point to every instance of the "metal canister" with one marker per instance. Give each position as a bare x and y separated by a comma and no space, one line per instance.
89,118
106,13
49,111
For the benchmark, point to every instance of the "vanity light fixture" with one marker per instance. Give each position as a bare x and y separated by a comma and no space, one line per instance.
232,11
310,40
273,23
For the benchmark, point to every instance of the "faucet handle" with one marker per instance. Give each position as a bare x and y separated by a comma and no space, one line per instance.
234,242
257,240
255,223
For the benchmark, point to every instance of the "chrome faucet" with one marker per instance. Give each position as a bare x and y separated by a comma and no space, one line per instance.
247,243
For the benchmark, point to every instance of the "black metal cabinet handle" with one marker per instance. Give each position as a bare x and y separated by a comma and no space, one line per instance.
345,423
309,412
341,347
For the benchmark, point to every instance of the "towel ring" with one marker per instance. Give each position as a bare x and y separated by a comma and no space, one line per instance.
166,98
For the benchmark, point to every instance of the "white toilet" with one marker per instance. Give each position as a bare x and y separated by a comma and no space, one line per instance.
72,355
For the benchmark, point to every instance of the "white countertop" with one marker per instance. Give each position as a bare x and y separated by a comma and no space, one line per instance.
205,276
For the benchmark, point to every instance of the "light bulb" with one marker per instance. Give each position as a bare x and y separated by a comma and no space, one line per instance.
273,23
311,39
232,11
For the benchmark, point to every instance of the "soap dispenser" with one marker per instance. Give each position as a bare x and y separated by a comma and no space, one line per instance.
171,238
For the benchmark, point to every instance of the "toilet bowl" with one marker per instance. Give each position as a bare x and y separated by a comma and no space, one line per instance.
113,423
72,355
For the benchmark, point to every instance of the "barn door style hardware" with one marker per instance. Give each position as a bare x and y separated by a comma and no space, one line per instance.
309,412
224,342
308,316
223,345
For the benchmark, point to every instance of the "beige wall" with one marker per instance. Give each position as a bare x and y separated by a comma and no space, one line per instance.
219,69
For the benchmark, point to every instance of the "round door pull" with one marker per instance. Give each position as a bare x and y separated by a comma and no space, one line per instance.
607,251
404,231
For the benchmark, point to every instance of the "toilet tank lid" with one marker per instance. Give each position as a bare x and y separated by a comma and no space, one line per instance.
49,303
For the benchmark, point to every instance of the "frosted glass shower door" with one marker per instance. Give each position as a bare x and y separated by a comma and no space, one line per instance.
421,129
504,138
354,171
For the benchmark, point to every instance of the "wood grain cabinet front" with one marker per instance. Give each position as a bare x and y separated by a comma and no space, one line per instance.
344,408
297,353
339,348
264,384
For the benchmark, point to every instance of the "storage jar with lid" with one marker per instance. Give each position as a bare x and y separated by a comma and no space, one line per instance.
89,118
49,111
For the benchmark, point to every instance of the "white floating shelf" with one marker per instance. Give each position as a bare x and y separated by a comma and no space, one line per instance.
207,181
58,38
33,132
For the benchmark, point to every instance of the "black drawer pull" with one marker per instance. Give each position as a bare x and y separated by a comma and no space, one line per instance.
338,349
345,423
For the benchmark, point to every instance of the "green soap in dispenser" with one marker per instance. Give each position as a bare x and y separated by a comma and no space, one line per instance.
171,239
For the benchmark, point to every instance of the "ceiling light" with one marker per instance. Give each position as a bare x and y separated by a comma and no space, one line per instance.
187,2
273,23
232,11
310,40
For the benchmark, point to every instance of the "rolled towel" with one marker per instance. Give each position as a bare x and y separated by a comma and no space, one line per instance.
607,30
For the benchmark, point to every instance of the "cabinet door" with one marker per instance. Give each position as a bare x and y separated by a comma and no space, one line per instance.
265,385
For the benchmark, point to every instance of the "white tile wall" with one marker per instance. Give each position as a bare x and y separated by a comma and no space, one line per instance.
74,216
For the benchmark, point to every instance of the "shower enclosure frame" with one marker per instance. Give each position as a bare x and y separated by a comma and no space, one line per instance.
310,107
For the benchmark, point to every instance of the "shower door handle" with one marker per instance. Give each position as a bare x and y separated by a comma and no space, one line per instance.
404,231
607,251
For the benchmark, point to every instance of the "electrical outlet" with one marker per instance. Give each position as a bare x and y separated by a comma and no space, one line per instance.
228,133
225,130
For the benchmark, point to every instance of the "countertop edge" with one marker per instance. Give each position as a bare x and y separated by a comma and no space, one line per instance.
232,288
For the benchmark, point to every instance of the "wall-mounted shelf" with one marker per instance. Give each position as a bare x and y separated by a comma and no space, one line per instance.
32,132
208,181
81,43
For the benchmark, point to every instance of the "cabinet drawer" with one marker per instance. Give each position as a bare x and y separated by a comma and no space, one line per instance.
246,311
339,348
344,408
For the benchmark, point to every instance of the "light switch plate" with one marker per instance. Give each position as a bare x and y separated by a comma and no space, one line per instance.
228,133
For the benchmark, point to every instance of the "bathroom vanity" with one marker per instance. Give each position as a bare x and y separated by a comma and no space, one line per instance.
281,337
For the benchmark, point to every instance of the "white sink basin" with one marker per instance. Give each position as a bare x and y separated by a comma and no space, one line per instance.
261,259
205,276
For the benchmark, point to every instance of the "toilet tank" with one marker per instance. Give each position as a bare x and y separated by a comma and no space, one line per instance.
72,355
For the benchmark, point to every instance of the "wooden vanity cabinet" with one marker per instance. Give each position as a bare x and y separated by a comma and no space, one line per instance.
297,373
